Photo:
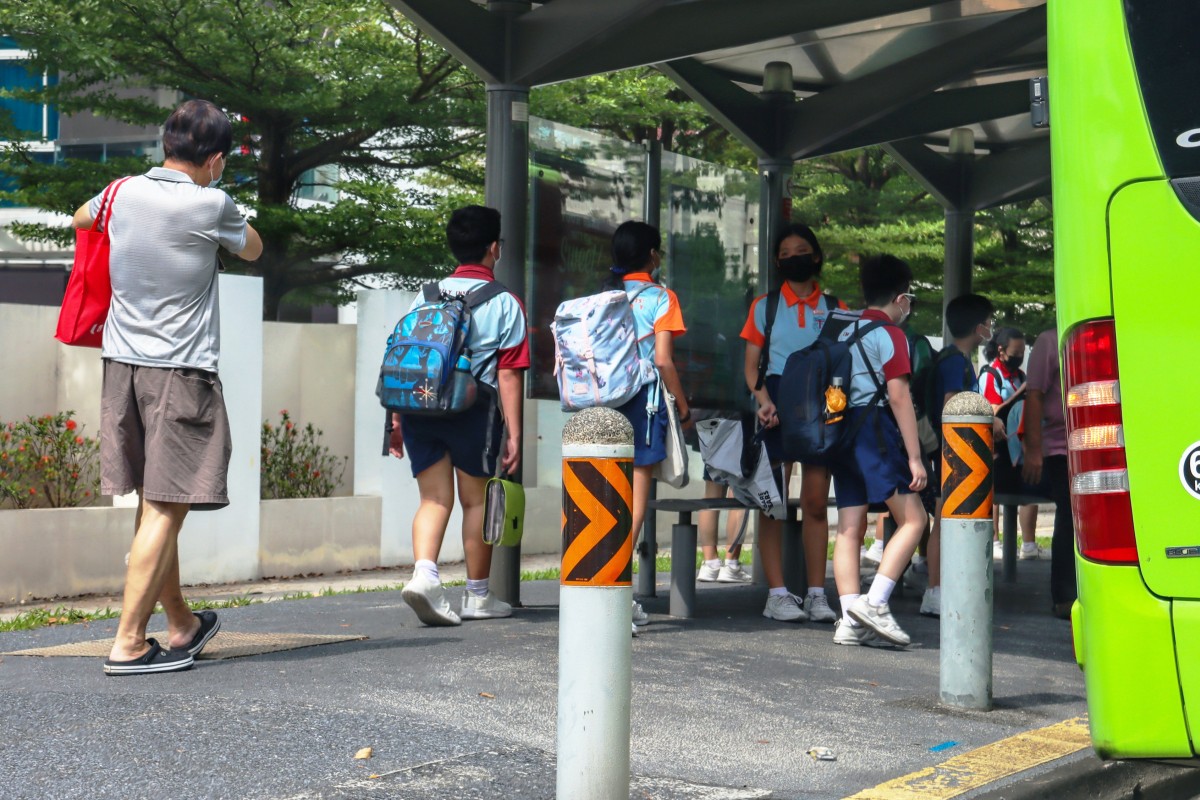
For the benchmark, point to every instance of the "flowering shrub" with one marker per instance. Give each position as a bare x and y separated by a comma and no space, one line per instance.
47,461
295,463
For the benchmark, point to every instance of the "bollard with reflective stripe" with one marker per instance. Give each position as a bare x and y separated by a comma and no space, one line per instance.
595,604
966,619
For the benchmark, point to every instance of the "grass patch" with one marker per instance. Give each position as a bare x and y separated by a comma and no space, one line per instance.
41,618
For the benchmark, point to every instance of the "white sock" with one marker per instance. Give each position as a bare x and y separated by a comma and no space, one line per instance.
712,563
731,562
881,590
778,591
934,591
847,600
478,588
816,591
428,570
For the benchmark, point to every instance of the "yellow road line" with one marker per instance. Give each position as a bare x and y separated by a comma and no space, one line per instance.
985,764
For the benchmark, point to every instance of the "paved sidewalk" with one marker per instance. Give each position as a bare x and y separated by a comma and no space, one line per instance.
724,705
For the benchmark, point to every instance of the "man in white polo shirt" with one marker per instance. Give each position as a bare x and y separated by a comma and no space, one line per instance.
163,426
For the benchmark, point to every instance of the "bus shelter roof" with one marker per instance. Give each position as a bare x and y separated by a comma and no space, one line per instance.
901,73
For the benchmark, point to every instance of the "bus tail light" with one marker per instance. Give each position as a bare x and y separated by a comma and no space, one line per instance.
1096,443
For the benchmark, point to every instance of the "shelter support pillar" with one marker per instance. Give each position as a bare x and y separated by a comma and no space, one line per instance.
506,189
648,545
960,223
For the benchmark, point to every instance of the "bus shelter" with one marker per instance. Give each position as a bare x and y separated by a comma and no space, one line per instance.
951,89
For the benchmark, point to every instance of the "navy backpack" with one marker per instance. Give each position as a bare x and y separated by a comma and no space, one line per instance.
809,432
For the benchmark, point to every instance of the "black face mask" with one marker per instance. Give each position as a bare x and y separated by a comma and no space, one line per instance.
1014,362
799,268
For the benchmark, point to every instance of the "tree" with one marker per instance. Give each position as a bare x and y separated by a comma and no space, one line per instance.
311,83
862,203
637,105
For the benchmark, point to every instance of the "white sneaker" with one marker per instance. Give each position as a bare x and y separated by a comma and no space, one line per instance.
931,602
785,608
487,607
428,599
708,574
873,554
857,635
998,551
640,617
817,608
1030,551
878,619
733,573
634,631
920,564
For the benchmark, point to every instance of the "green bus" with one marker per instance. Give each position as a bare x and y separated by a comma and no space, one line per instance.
1124,91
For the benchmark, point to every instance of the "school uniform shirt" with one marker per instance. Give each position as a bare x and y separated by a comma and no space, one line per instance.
954,374
997,391
499,337
655,310
887,357
798,323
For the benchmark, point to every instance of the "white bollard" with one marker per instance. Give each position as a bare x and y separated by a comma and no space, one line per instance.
967,575
595,607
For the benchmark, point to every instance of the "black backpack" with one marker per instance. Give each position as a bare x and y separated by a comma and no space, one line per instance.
764,358
809,432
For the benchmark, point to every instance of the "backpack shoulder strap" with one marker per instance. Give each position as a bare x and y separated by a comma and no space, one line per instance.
764,357
432,292
831,302
483,293
634,295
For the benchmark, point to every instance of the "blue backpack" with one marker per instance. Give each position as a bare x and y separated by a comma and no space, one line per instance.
426,367
809,431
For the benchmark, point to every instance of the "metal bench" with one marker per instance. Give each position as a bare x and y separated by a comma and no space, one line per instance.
1009,504
684,540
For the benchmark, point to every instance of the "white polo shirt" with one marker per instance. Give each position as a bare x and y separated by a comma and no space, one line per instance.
165,231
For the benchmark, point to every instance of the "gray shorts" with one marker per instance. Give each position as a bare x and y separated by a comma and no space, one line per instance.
164,431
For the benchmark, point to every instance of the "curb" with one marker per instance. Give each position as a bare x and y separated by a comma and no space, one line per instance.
1092,779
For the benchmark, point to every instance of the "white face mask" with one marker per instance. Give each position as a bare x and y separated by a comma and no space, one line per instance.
213,180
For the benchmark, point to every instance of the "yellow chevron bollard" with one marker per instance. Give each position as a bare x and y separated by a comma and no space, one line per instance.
595,618
967,582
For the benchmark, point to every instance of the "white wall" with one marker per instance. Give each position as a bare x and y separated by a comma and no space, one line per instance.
222,546
39,375
309,370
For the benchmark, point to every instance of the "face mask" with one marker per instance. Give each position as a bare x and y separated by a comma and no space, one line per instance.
798,268
213,182
1013,362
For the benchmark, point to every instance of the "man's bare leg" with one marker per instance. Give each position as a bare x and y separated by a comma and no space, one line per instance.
153,558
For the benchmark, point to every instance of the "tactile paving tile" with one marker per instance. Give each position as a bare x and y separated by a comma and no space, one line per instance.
226,644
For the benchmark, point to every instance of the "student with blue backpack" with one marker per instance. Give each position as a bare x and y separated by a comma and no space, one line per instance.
446,444
780,323
879,459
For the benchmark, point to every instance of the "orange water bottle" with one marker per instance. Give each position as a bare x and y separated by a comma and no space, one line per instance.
835,402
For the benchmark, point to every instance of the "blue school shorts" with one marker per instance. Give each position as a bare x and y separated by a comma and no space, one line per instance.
647,452
862,475
464,436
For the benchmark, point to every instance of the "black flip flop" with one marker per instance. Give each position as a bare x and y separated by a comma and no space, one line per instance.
209,625
156,659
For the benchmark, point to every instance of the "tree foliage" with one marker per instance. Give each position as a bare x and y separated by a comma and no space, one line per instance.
312,83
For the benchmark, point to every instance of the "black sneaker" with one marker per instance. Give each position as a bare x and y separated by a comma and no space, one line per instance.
209,625
156,659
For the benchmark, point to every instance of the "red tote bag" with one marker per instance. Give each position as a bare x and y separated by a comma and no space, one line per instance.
89,291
